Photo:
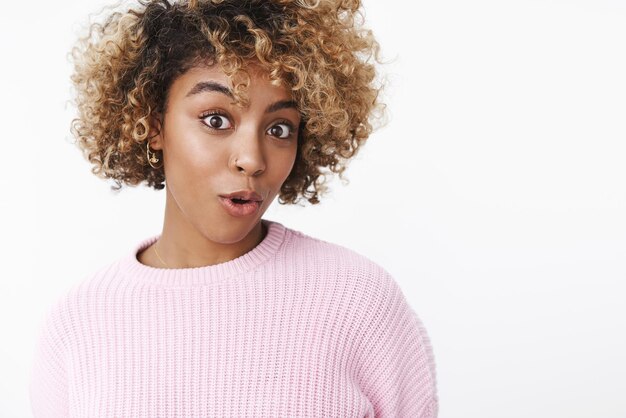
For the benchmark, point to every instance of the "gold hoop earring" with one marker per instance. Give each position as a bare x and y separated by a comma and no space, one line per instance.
152,159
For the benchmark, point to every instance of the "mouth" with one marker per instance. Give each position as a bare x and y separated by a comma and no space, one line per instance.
240,207
243,196
241,202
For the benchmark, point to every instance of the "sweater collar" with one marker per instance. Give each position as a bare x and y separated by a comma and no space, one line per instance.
204,275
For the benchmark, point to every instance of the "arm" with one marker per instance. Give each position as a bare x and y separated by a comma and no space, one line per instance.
48,388
397,368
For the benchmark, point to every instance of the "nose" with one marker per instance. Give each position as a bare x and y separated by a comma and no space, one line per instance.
248,155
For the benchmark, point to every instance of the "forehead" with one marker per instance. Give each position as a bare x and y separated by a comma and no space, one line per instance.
197,73
191,83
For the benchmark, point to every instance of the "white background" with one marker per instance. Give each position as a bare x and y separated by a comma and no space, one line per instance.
495,196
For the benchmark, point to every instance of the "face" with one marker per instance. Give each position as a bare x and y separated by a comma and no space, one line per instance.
212,147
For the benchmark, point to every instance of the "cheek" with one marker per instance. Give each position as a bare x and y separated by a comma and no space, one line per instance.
191,156
291,161
194,177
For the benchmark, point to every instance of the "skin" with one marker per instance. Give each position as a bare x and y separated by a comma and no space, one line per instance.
247,151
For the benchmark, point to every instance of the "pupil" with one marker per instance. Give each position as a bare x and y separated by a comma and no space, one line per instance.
277,130
215,122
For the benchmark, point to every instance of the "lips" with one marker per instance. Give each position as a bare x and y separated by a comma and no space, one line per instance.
243,196
240,208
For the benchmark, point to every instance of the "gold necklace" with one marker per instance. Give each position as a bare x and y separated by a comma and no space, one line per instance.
156,252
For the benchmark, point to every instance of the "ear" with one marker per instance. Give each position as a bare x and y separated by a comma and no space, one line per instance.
156,130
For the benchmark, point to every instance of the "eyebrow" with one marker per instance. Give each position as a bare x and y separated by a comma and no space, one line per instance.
206,86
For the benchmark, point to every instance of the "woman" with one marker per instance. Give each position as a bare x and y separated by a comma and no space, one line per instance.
225,313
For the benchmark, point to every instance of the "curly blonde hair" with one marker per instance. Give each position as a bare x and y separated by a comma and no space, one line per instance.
124,66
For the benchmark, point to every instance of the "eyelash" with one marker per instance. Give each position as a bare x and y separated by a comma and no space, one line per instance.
218,113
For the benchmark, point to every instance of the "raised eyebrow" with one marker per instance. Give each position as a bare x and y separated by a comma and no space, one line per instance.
203,86
281,104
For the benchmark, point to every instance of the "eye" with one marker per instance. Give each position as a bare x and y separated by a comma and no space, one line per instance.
216,120
281,130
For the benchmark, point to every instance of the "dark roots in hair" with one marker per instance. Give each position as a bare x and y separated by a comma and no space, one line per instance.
123,69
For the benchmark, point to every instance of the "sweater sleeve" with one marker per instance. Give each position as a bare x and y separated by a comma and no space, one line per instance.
48,388
397,367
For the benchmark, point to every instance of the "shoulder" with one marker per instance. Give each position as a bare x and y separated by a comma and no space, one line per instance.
299,242
341,263
102,279
71,304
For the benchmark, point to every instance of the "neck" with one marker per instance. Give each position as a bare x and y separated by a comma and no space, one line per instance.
186,245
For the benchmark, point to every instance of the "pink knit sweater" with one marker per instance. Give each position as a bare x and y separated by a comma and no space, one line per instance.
296,327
